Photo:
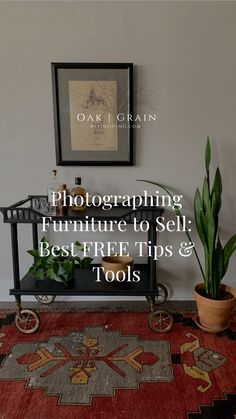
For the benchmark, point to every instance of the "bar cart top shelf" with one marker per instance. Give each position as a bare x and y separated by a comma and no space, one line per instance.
34,208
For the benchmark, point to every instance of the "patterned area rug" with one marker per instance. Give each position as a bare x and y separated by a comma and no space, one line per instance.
112,366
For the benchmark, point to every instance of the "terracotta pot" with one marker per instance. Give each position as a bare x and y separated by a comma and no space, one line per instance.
214,315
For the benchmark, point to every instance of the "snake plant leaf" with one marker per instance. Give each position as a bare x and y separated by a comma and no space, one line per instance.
215,275
208,156
206,276
206,209
178,212
204,225
217,267
160,185
220,259
210,241
205,195
229,249
217,190
207,253
198,211
208,224
210,229
214,206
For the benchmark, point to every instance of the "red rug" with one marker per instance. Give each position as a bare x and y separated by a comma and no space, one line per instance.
112,366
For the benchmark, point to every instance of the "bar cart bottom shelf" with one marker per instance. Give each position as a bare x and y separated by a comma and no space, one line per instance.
85,283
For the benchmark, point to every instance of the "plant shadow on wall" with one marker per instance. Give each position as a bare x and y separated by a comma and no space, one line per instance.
215,301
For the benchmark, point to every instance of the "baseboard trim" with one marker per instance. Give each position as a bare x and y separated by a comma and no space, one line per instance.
102,305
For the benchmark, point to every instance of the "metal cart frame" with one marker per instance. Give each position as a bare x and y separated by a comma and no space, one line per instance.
84,283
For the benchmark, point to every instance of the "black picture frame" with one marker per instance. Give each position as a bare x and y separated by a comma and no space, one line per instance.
88,138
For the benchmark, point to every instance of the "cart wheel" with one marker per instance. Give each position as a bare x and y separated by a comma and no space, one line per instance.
162,295
27,321
45,299
160,321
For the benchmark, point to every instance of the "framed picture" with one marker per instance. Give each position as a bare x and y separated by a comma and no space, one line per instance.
93,110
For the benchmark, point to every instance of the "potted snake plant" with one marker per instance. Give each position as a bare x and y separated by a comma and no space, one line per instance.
215,301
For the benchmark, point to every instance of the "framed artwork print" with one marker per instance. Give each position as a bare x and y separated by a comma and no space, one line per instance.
93,110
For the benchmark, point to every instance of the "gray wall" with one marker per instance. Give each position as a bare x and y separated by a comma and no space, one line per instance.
186,71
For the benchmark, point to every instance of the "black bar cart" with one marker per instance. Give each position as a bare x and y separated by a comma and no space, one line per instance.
31,211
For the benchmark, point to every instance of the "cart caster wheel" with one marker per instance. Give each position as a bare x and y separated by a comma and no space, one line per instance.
45,299
160,321
162,294
27,321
